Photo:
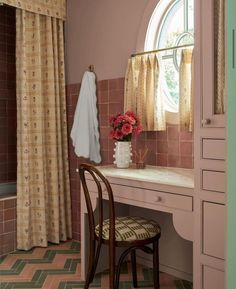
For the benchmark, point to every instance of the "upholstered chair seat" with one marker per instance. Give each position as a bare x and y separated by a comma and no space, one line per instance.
130,229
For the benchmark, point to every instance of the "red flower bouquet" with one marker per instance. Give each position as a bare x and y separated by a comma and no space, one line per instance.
124,126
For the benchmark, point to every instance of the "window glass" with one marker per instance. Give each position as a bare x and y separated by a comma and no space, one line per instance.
171,25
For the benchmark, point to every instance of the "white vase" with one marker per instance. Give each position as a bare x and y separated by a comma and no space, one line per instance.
122,154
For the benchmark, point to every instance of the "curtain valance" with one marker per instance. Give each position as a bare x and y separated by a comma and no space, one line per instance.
53,8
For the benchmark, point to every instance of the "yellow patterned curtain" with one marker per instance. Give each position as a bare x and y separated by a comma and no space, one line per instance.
43,193
186,90
219,37
142,95
53,8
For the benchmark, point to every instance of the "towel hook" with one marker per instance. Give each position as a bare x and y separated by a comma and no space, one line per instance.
91,68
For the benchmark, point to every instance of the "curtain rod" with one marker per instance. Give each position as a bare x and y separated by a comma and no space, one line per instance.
161,49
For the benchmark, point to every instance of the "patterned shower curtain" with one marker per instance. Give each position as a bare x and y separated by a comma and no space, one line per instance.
43,193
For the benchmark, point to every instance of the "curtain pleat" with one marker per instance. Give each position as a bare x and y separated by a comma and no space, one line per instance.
142,95
219,45
186,90
43,192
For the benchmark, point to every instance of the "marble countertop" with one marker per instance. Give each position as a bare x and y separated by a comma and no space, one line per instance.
162,175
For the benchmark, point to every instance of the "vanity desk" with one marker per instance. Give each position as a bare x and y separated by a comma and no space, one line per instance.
162,189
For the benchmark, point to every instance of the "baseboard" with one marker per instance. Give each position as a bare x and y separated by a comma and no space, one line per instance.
166,269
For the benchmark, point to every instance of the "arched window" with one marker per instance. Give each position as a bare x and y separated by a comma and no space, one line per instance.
171,25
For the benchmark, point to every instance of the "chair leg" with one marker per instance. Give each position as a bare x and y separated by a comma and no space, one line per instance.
90,272
120,262
112,264
134,269
156,279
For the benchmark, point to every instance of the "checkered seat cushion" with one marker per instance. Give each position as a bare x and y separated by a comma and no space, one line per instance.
130,229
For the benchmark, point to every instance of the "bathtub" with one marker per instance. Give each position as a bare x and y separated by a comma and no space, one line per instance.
7,189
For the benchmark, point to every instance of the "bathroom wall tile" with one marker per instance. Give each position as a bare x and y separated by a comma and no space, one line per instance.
173,147
161,159
9,214
161,147
115,108
9,226
1,228
172,132
102,96
116,83
151,147
186,148
3,157
184,135
104,144
151,158
3,177
152,135
173,160
116,96
7,95
186,162
102,85
161,135
103,109
9,204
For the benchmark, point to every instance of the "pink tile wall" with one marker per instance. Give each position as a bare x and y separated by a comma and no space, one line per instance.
7,95
168,148
7,226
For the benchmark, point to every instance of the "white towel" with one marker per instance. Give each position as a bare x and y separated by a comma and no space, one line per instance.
84,133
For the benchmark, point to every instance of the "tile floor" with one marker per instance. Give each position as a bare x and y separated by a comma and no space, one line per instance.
58,267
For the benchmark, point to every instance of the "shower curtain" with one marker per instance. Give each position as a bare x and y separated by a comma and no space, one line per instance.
43,193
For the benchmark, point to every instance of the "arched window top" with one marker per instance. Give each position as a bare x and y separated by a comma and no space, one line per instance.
171,25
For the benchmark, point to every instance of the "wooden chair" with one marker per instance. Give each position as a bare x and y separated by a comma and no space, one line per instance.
130,232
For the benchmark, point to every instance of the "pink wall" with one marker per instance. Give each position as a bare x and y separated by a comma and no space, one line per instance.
103,33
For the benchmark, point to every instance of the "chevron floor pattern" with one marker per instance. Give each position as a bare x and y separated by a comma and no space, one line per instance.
58,267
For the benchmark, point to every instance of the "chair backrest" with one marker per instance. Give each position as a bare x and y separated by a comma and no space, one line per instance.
101,183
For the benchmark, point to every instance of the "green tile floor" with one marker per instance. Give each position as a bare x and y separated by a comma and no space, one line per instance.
58,267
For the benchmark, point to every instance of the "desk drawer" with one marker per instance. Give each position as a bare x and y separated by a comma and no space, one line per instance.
213,181
214,149
130,195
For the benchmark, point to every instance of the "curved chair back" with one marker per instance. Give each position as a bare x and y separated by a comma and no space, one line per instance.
102,187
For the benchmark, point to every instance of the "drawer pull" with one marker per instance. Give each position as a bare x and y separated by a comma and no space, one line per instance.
158,199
